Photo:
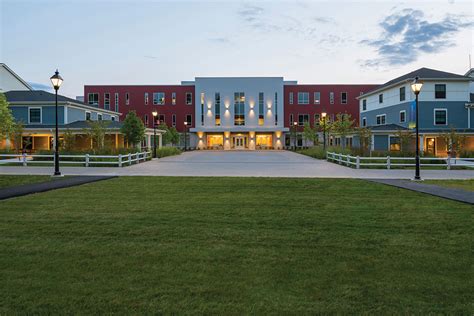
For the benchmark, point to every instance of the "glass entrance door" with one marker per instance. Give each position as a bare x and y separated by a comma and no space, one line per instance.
239,142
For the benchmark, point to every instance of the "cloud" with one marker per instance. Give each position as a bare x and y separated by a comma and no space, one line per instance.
407,33
40,86
150,57
250,13
324,20
219,40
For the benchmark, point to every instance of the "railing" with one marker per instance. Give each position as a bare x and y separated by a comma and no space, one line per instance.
390,162
85,160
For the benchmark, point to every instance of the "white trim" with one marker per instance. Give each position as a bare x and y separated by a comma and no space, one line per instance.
317,100
65,115
85,115
186,98
364,119
64,103
434,116
468,117
298,98
381,115
347,97
41,114
16,76
404,116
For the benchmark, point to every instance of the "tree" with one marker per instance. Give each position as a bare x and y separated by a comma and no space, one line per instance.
16,135
69,140
325,126
96,132
310,133
133,129
365,140
171,135
342,126
6,118
454,141
405,137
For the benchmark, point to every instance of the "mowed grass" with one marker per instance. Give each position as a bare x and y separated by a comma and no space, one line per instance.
14,180
146,245
455,184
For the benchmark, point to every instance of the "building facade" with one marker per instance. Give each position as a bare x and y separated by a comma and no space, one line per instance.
232,112
445,104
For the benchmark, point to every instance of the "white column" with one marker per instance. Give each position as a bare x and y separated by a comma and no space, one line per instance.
160,140
372,142
468,117
422,143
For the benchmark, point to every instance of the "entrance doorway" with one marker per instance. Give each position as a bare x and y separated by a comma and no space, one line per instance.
239,142
431,145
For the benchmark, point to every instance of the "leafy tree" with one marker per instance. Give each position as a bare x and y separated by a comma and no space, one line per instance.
310,133
133,129
6,118
405,137
342,126
325,126
96,132
365,140
69,140
17,135
171,135
454,141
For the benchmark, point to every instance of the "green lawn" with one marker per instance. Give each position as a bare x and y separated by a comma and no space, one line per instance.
10,181
146,245
455,184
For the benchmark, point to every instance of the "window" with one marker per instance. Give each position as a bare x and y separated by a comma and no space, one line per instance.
88,116
127,99
173,98
343,97
364,122
189,98
364,105
331,97
116,102
380,98
317,98
173,120
239,108
112,118
394,143
381,119
93,99
276,108
440,117
107,101
291,97
317,118
34,115
291,120
202,108
261,109
402,94
217,108
159,98
146,119
160,119
440,91
146,98
403,115
303,98
99,117
302,119
189,119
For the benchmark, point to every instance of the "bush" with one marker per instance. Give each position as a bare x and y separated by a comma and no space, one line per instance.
315,152
466,153
167,151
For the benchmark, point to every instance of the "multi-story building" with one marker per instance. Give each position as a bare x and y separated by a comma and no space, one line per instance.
445,103
232,113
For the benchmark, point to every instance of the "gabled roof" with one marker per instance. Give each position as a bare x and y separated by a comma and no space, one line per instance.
387,127
423,74
16,76
36,96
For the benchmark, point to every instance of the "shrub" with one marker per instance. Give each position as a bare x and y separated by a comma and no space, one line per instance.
167,151
315,152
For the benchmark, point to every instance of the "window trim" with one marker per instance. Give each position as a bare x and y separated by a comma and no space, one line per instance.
186,96
364,121
445,91
434,116
173,98
332,97
404,94
101,117
173,120
347,97
404,116
303,114
291,98
381,115
105,104
127,98
89,99
316,123
186,119
41,114
318,99
146,98
381,98
305,101
159,103
85,115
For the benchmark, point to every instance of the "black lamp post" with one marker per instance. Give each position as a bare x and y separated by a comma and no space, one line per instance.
416,87
155,114
294,131
323,115
185,135
56,80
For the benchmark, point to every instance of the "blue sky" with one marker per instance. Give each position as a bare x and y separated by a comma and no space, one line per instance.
164,42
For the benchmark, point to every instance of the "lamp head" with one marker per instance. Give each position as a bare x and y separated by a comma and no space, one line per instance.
56,80
295,123
323,115
416,85
154,113
185,123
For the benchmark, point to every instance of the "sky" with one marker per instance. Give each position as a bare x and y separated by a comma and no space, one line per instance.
165,42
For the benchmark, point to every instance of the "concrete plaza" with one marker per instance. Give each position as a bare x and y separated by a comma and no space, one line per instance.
243,164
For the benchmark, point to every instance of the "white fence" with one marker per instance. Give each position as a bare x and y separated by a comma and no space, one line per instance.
85,160
390,162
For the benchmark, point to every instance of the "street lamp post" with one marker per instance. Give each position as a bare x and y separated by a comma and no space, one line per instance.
416,87
294,131
155,114
56,80
323,115
185,134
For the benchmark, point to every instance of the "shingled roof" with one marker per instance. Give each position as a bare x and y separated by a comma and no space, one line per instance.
36,96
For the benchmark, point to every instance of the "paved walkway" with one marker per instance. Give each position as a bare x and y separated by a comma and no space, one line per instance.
447,193
243,164
48,185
